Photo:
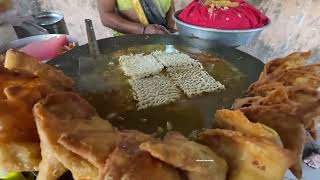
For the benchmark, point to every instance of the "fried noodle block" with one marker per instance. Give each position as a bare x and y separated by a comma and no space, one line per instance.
293,60
154,91
193,80
199,162
274,93
286,98
64,113
267,88
314,68
308,101
237,121
290,77
288,126
301,100
248,157
127,161
139,66
175,59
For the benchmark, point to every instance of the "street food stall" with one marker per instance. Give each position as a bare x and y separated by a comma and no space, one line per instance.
187,105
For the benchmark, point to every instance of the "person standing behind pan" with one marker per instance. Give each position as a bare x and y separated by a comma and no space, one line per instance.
137,16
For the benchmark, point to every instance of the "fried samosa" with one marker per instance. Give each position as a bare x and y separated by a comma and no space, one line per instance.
50,168
237,121
308,102
19,140
300,100
64,113
199,162
290,77
128,161
288,126
248,157
23,63
19,156
92,145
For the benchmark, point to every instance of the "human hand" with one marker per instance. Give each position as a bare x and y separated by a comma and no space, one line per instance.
155,29
173,30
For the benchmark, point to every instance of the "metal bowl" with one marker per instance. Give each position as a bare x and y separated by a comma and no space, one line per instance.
19,43
230,38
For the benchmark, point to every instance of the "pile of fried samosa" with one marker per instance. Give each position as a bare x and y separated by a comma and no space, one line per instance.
286,98
23,82
46,127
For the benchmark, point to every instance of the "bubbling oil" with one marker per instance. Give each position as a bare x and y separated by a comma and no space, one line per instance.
187,115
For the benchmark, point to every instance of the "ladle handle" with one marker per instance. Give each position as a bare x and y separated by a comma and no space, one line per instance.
92,41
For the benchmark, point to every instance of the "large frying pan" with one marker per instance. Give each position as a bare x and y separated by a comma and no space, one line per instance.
246,64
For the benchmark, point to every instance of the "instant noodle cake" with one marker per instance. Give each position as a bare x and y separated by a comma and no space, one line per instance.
194,80
154,91
175,59
139,66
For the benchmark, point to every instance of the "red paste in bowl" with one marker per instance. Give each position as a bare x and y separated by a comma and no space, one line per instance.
244,16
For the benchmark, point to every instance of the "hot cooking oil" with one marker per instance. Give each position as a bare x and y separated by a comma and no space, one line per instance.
117,105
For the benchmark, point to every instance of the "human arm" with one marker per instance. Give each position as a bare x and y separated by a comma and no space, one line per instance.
170,21
110,18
